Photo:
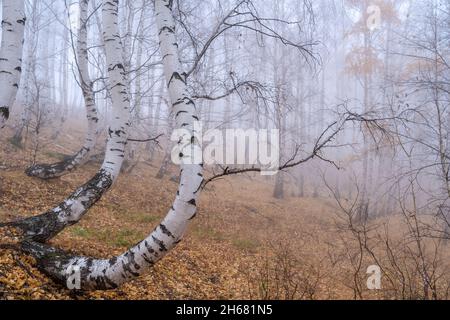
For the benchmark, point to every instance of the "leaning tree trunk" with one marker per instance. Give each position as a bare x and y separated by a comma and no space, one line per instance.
49,171
45,226
110,273
13,26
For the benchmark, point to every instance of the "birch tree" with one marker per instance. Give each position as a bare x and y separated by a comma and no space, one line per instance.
29,68
45,226
48,171
13,26
110,273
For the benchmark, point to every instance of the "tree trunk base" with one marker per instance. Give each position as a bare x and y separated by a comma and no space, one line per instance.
52,171
39,228
48,260
45,226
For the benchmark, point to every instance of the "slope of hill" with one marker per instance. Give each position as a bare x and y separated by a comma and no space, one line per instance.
243,244
238,227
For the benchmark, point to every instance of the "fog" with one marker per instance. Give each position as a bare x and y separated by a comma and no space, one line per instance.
358,91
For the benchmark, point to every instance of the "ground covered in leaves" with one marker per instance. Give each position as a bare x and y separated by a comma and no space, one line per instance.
243,243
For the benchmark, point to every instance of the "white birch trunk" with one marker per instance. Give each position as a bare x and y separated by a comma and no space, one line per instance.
45,226
13,26
110,273
54,170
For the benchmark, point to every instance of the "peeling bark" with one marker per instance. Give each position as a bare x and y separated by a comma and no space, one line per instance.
50,171
111,273
43,227
13,26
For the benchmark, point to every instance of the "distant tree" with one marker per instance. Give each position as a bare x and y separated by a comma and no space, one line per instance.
54,170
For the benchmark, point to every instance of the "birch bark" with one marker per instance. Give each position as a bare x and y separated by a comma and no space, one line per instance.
43,227
110,273
13,27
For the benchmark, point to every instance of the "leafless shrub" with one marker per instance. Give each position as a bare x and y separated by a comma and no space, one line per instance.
281,273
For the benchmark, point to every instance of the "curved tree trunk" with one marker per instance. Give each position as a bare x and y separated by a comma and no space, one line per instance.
47,225
49,171
13,26
110,273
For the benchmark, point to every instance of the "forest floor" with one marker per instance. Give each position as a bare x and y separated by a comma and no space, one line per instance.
243,243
